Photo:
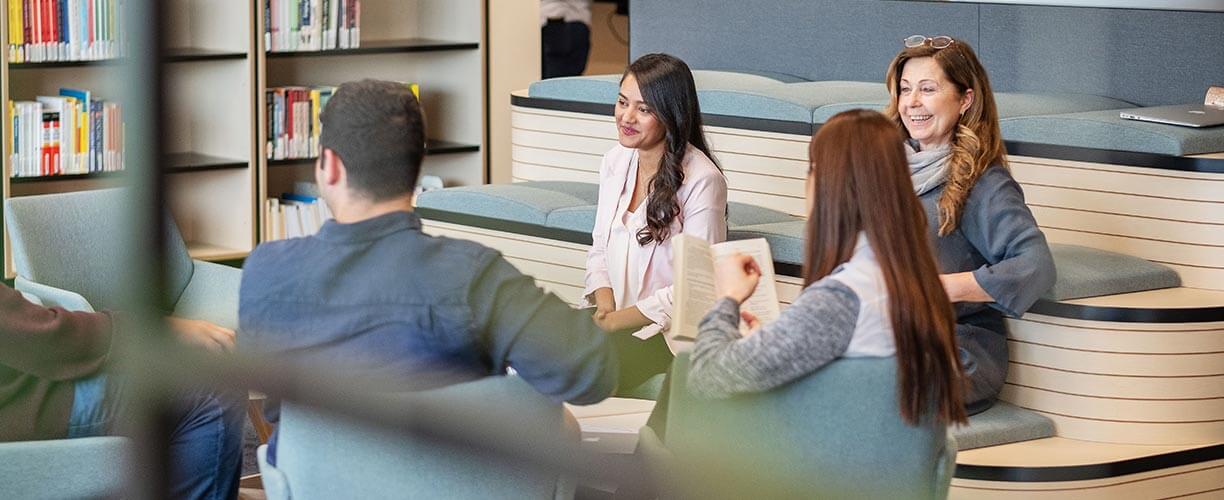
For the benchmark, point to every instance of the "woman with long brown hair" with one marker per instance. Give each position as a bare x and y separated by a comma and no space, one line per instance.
871,287
658,181
993,258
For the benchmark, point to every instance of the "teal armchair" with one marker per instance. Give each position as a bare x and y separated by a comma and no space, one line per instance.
837,433
320,456
66,248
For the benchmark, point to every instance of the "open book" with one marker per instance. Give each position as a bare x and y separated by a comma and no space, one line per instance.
693,283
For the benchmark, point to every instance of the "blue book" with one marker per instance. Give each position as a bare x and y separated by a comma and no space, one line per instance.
298,197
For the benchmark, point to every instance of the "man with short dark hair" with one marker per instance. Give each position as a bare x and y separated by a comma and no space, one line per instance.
374,294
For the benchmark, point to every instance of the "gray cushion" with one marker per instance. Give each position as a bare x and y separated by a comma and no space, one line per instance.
1013,104
799,102
785,238
599,89
94,467
604,88
1106,130
1010,104
580,219
1002,424
743,214
513,202
1090,272
586,191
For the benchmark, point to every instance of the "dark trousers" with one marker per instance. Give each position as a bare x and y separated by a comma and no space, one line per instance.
565,48
981,342
205,445
639,359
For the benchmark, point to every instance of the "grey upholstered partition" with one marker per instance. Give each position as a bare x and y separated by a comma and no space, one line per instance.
1148,57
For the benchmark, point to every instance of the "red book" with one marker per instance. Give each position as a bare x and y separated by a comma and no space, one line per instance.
26,23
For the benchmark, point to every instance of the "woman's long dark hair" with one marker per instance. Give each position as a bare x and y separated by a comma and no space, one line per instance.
667,87
861,182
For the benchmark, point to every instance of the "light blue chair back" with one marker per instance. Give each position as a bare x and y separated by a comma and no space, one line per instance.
836,433
73,241
320,456
93,467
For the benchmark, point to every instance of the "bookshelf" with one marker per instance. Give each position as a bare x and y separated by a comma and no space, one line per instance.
216,72
210,73
437,44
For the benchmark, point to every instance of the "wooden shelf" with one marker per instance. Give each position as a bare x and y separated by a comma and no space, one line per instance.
432,147
66,64
190,54
197,162
210,252
65,177
384,47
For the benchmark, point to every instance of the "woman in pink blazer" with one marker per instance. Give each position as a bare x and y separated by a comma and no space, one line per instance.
659,181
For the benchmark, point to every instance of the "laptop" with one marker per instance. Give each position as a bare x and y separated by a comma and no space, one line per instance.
1186,115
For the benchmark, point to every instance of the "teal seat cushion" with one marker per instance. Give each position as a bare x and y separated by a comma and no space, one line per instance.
1002,424
785,238
600,89
500,201
743,214
797,102
581,219
585,191
604,88
1106,130
1090,272
1010,104
1013,104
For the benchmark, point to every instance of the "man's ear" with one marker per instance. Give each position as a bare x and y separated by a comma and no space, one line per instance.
331,167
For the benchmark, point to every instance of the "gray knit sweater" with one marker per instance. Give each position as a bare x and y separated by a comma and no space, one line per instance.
814,330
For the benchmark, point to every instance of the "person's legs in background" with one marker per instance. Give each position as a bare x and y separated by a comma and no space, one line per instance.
205,446
566,46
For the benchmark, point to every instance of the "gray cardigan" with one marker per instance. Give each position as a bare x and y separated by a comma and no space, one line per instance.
998,239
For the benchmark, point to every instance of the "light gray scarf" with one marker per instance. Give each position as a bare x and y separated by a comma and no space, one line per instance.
928,169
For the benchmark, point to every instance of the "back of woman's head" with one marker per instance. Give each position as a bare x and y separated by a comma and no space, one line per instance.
860,182
667,87
977,142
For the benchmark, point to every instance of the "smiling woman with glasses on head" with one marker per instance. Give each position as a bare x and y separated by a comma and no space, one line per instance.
993,259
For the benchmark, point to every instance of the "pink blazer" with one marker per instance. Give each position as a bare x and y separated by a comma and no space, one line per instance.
703,213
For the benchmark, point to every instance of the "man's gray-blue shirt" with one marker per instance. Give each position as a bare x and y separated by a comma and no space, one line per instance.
384,300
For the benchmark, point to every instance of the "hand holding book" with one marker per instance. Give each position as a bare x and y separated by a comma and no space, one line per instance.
736,276
742,270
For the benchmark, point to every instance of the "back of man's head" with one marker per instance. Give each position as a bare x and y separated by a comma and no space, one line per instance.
377,130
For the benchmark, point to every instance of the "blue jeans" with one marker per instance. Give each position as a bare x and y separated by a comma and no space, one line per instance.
205,446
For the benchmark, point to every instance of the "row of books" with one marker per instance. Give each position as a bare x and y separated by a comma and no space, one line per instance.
64,30
311,25
71,133
293,119
294,215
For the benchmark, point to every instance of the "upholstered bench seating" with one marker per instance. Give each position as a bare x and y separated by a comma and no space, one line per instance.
783,98
557,205
1002,424
1107,130
570,207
